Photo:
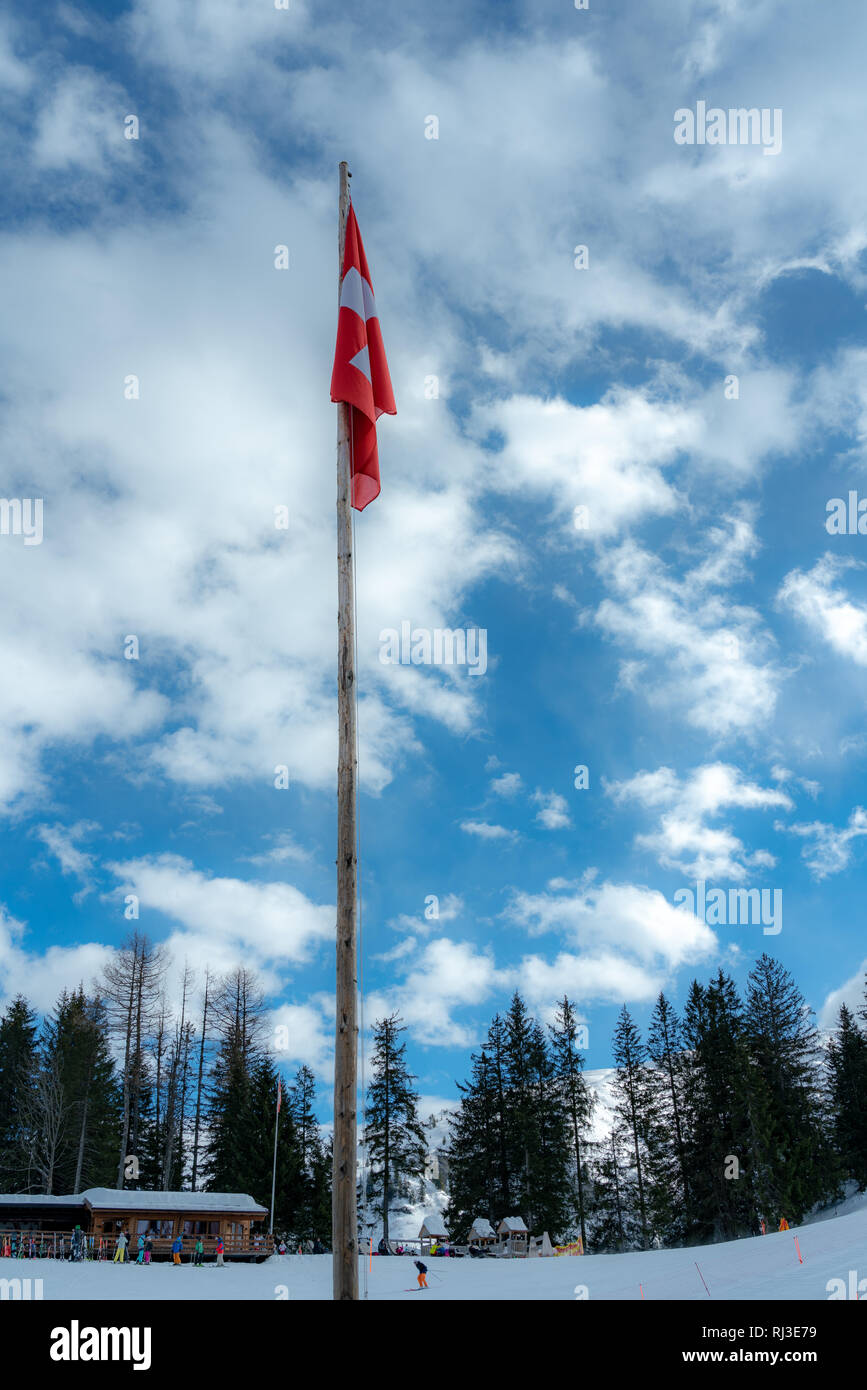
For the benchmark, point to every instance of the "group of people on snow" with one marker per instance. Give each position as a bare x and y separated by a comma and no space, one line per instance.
145,1249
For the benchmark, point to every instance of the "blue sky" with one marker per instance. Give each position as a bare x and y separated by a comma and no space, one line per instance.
700,645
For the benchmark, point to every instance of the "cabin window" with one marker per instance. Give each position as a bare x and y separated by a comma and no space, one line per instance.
201,1228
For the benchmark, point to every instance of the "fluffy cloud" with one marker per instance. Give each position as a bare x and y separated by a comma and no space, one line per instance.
42,976
829,850
611,922
819,600
445,976
684,840
226,920
699,653
851,994
553,811
484,830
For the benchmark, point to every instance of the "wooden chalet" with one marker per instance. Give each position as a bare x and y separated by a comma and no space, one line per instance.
47,1223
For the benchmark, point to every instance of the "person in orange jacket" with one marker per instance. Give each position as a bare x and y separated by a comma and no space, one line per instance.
422,1272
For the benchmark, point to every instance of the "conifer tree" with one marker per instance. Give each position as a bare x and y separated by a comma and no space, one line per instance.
18,1069
668,1187
394,1137
310,1153
577,1099
474,1151
847,1075
720,1142
634,1103
793,1160
76,1040
612,1223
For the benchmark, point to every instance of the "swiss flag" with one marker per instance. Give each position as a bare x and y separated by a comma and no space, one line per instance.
360,376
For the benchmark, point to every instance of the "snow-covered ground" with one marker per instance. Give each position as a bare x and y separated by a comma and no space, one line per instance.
764,1267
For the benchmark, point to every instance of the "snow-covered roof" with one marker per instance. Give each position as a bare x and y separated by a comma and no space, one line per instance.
30,1199
118,1200
511,1225
432,1227
481,1227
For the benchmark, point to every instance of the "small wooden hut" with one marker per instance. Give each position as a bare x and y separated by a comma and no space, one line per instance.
514,1238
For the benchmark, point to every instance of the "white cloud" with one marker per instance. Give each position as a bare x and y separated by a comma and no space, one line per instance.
684,840
446,976
81,123
697,652
508,785
819,600
852,994
553,811
486,831
303,1035
829,850
42,976
447,908
261,924
616,921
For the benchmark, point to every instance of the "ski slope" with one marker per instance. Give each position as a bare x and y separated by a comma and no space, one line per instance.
757,1268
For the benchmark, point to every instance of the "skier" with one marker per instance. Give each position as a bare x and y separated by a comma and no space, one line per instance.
141,1251
149,1245
422,1272
177,1247
200,1252
220,1252
77,1238
120,1248
282,1247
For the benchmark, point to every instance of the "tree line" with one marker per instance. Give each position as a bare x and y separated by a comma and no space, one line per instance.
118,1088
732,1113
727,1116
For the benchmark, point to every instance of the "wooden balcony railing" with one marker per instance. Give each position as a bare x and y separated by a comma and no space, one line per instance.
59,1245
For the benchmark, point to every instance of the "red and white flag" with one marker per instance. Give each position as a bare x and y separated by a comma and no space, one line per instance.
360,376
279,1095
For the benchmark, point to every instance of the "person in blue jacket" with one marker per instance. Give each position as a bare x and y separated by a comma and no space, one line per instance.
177,1247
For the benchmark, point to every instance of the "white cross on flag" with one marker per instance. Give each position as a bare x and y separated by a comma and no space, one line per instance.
360,377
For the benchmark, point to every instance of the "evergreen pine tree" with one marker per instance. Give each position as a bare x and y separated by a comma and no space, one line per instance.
720,1139
76,1041
634,1106
577,1099
794,1168
668,1185
847,1075
474,1151
18,1069
395,1140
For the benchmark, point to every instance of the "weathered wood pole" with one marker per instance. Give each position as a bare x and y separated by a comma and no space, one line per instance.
344,1214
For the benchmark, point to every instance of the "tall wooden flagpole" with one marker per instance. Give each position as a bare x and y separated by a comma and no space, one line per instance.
344,1214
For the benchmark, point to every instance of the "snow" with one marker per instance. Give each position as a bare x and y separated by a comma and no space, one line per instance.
756,1268
512,1225
23,1199
482,1228
101,1198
